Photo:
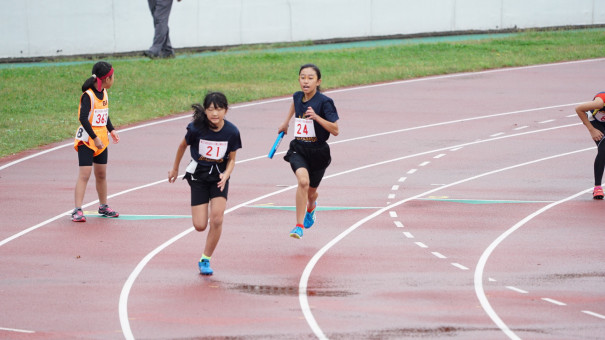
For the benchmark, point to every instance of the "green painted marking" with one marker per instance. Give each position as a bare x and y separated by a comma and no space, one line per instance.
140,217
471,201
320,208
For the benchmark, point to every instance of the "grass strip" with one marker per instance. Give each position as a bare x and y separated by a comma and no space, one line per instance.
38,105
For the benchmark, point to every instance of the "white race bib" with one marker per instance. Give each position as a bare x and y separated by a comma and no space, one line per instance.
304,128
213,150
81,134
600,116
100,117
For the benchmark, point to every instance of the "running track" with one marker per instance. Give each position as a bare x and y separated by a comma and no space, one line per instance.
456,206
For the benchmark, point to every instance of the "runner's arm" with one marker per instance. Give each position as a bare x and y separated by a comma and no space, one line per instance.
180,151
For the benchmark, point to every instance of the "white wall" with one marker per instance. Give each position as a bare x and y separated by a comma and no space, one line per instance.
45,28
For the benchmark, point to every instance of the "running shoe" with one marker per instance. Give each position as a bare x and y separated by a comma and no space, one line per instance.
205,267
310,218
597,194
106,211
78,215
297,232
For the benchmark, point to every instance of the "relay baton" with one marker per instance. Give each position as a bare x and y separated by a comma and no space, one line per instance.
276,144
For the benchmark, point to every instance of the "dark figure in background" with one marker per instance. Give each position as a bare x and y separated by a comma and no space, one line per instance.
161,48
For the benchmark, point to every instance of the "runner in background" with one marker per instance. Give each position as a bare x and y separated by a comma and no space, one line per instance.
91,138
592,115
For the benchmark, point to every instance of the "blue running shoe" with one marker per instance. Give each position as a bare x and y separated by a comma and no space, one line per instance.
296,232
205,267
310,218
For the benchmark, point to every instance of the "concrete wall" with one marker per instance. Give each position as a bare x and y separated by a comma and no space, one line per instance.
46,28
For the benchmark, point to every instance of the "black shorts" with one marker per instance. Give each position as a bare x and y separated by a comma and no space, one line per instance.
86,156
203,183
315,157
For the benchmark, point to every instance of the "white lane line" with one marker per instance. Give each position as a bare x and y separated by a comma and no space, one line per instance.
393,214
478,280
411,171
398,224
600,316
16,330
439,255
558,303
391,196
395,187
402,179
128,285
302,286
518,290
458,265
458,148
123,303
497,134
492,280
439,155
408,234
546,121
521,128
424,163
421,245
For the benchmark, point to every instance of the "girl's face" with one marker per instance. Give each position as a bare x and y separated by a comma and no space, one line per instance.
216,115
308,81
108,82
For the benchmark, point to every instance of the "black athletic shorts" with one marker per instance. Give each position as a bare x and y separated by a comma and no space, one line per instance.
86,156
315,157
203,183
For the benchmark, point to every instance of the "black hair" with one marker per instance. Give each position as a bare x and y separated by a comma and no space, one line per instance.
315,68
200,120
99,69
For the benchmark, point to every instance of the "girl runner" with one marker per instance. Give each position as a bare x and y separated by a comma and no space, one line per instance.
309,154
91,138
596,128
213,143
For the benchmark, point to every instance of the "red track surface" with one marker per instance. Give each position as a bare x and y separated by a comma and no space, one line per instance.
410,264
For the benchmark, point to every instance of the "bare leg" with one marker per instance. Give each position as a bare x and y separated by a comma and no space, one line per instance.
83,176
217,212
101,181
199,214
302,194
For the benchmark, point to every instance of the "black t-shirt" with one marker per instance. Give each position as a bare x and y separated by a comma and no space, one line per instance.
322,105
209,147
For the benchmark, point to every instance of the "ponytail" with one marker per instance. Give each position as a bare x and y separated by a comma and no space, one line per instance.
100,70
200,120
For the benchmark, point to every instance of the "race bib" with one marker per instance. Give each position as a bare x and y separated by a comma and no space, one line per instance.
213,150
304,128
81,134
100,117
600,116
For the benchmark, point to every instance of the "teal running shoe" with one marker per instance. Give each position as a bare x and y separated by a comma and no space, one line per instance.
297,232
310,218
205,267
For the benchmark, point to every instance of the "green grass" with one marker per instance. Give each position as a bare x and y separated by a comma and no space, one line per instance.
38,105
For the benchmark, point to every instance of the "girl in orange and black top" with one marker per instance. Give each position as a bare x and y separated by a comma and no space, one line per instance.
91,138
592,115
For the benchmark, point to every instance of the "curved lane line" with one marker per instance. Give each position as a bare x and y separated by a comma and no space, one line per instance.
478,280
302,288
